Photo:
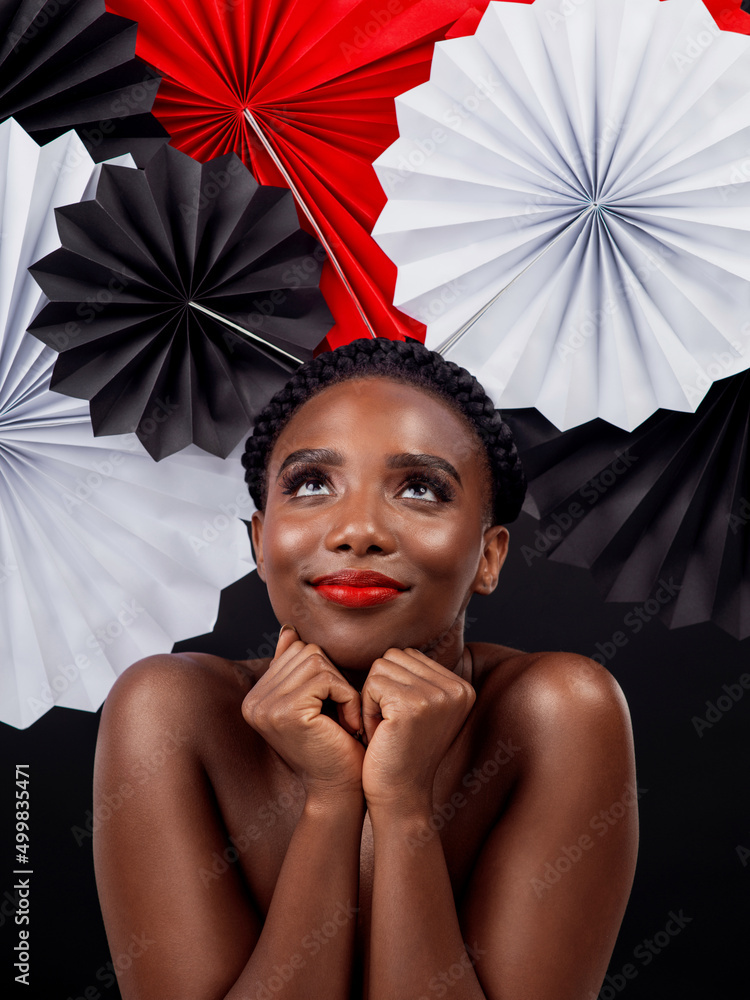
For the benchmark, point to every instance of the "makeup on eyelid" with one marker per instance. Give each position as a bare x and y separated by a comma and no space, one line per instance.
292,479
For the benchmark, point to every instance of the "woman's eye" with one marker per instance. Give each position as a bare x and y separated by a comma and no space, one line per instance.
312,488
419,491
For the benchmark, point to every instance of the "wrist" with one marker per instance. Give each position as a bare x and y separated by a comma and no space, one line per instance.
405,810
337,800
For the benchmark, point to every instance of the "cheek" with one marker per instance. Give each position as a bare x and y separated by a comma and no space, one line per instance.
444,552
283,554
284,543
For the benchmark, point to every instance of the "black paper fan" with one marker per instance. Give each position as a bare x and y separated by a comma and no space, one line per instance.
69,64
661,514
182,298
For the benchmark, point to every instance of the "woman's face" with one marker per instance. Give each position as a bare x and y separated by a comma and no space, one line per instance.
375,475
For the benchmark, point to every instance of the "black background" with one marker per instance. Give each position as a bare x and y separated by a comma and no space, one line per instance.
694,804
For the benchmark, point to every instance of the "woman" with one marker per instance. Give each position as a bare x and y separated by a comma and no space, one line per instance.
379,810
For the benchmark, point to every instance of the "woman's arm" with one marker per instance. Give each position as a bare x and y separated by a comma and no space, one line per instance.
547,895
180,925
317,889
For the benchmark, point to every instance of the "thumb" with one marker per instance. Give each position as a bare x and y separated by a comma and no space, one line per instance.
287,636
349,713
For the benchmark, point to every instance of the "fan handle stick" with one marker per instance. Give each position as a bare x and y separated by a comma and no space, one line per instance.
478,315
252,336
454,337
308,214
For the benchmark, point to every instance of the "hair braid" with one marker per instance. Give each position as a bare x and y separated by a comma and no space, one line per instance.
405,361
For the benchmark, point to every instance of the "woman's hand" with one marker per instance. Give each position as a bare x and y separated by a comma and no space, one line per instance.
284,706
412,709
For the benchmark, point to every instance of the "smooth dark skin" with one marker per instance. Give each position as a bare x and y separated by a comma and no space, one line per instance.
201,749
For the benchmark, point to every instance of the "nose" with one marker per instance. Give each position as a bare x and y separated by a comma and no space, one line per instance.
360,523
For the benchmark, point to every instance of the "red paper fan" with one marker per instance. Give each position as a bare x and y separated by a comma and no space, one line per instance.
303,91
729,15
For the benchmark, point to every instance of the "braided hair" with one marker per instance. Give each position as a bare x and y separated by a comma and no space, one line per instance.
406,361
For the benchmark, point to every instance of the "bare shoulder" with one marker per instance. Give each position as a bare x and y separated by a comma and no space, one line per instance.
550,888
546,682
555,699
186,671
176,699
168,724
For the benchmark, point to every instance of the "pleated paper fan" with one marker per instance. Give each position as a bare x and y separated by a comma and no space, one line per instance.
34,182
730,15
568,208
69,64
303,92
661,516
105,556
185,290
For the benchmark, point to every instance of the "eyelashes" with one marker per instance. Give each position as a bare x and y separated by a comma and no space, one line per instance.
440,487
296,477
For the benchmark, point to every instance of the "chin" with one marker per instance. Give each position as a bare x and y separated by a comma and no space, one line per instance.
354,639
355,646
357,652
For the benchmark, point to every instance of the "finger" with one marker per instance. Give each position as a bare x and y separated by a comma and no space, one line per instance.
349,708
375,693
287,636
410,672
418,663
345,722
329,684
371,717
289,654
312,678
402,663
268,681
287,644
301,699
300,661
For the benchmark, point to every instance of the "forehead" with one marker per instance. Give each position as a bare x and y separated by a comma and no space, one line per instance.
381,414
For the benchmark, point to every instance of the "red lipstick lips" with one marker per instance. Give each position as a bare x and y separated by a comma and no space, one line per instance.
358,588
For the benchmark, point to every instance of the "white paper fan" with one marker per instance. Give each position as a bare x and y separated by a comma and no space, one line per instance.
569,206
105,555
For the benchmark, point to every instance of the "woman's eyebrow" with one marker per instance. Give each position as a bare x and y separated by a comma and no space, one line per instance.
407,460
322,456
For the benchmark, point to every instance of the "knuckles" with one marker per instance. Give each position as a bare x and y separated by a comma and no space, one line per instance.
263,714
393,649
317,659
251,709
277,714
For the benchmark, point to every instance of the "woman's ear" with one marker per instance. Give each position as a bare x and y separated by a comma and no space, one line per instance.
256,534
493,556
